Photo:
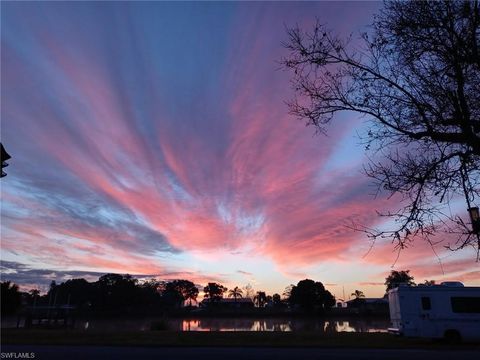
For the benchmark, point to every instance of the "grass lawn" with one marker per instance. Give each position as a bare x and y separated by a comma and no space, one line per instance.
239,338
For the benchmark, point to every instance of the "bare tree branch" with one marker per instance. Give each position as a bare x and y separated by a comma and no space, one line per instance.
416,80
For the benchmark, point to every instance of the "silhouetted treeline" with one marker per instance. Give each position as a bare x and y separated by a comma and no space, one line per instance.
124,294
114,292
110,294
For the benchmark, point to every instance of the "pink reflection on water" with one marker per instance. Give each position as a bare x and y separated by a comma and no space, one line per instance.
275,324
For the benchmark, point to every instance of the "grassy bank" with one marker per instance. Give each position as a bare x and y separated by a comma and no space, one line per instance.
170,338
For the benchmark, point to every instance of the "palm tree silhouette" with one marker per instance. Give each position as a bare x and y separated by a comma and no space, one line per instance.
358,294
236,292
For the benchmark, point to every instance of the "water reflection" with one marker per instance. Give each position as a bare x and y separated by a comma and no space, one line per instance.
229,324
274,324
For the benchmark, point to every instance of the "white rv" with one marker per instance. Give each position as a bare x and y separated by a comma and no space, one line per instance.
449,311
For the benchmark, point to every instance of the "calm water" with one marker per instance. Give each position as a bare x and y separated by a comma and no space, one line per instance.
229,324
242,324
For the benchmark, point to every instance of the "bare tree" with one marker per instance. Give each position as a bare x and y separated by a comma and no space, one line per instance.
248,291
415,78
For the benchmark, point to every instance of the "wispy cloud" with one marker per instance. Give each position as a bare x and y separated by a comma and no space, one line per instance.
244,272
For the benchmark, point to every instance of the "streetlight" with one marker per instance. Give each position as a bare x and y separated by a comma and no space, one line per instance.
4,157
475,219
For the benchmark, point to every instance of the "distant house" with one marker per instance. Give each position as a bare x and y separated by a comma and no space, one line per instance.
369,305
341,304
225,303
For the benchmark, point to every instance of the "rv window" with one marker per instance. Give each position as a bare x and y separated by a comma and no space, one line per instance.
465,304
426,305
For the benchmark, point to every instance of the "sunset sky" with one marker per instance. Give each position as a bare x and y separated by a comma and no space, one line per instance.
153,139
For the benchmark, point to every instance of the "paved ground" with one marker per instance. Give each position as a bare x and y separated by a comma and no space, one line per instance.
199,353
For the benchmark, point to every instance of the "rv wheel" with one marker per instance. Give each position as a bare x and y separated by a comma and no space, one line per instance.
452,336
